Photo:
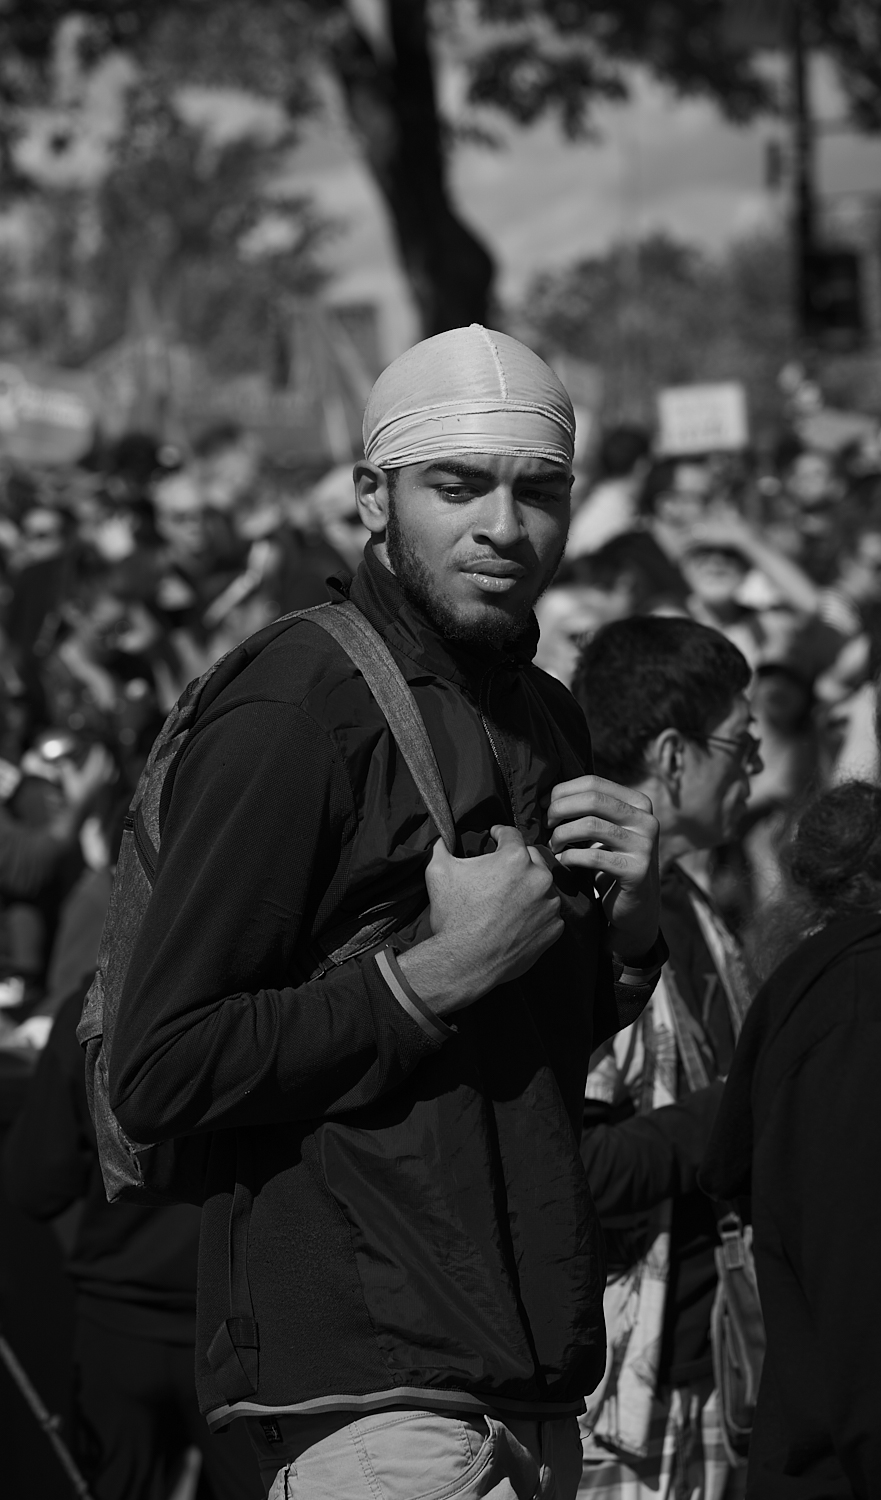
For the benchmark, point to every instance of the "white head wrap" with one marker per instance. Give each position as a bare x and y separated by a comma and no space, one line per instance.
470,390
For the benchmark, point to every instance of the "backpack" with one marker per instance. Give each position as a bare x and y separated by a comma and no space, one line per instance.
174,1170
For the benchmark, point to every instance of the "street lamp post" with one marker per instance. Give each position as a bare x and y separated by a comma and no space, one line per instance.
803,204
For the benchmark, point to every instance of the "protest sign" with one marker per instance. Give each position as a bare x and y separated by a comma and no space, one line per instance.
46,416
702,419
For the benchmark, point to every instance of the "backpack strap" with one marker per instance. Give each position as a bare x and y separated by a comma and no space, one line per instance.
370,654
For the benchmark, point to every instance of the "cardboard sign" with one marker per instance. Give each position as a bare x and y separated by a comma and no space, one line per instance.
44,418
702,419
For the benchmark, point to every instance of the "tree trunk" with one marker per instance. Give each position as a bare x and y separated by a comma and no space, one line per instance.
392,107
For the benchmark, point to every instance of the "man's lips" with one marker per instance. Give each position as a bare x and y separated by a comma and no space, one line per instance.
496,567
495,575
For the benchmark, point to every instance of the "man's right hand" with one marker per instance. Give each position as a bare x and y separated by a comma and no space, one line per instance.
491,918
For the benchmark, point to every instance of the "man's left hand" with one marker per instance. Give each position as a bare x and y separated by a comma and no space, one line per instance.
612,832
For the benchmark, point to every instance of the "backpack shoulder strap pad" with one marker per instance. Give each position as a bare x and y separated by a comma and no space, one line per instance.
366,648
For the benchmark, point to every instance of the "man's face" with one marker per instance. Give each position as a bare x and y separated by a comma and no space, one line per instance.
861,573
685,502
180,516
229,474
810,481
716,779
714,576
475,539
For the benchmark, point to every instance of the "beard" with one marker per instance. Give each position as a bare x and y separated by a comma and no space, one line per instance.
493,626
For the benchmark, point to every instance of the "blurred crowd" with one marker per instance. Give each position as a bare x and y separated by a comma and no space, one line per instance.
125,577
121,580
782,554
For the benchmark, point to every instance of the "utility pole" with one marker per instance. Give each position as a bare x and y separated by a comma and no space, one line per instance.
803,204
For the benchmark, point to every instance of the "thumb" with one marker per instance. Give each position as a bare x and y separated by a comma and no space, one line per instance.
507,837
440,854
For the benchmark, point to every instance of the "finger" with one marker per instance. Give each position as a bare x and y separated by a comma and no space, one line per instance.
439,853
599,804
599,831
618,805
624,867
601,785
507,837
544,882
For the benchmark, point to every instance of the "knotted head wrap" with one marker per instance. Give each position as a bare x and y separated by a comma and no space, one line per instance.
470,390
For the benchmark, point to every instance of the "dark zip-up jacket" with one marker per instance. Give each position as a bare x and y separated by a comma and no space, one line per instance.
799,1129
421,1228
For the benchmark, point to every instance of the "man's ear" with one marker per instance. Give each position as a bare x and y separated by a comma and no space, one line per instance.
371,496
666,755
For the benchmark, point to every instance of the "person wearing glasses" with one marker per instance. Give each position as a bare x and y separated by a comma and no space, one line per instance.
665,700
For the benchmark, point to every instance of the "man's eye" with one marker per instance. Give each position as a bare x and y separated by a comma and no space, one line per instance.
540,497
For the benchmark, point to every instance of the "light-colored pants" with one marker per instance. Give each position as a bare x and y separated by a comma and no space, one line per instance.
418,1455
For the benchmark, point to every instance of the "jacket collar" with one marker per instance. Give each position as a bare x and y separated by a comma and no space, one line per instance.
379,596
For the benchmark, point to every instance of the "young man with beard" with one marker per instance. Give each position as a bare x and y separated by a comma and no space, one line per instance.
665,702
423,1259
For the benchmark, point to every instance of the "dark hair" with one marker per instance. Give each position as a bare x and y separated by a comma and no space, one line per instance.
659,479
215,439
621,449
788,449
640,676
832,868
631,552
835,854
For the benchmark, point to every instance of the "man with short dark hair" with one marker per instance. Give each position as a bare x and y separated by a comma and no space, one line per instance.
395,1136
665,702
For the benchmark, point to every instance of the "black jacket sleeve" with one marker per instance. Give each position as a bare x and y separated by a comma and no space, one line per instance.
634,1165
217,1027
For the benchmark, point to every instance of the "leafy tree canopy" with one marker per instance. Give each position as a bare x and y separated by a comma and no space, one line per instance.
524,58
663,313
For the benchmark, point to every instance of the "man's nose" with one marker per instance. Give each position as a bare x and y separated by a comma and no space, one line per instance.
499,520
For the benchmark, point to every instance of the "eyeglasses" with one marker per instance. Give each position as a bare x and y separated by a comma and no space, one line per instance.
747,748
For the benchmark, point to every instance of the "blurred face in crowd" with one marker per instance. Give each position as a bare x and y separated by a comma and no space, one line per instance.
781,700
180,515
811,480
228,476
685,502
112,534
569,615
474,540
861,572
42,534
714,574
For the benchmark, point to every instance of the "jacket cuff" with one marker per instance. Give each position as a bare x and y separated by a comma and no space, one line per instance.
386,961
645,970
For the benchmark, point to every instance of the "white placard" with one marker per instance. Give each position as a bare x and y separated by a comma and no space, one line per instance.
702,419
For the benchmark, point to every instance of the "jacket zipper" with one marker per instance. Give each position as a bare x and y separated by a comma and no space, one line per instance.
497,756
